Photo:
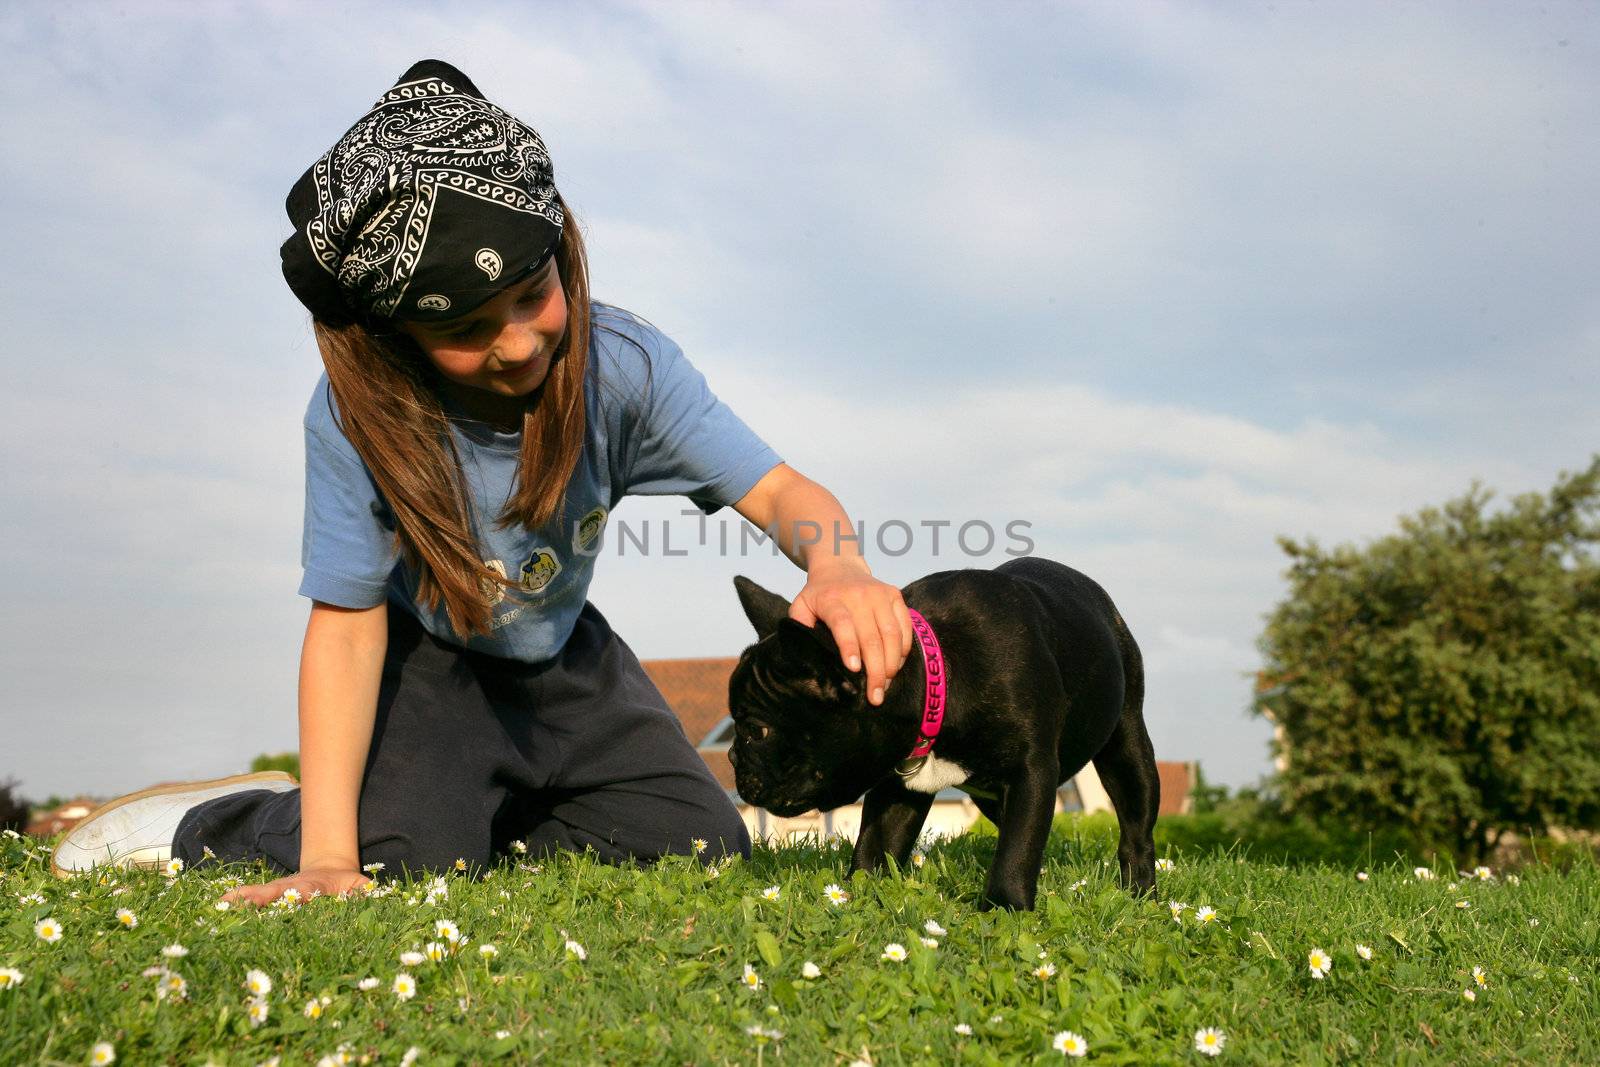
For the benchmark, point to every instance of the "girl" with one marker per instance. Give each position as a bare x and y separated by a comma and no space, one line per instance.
457,689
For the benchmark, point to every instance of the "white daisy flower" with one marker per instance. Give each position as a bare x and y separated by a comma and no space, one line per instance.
460,864
1463,905
1176,907
412,958
1209,1042
10,977
575,949
1070,1044
762,1034
222,905
258,982
519,847
488,951
1422,874
1533,922
934,928
964,1029
1469,994
699,844
290,896
47,929
894,951
410,1056
1321,963
372,868
834,894
258,1010
27,899
313,1009
103,1052
127,918
174,951
918,859
1364,951
434,951
1205,913
1482,873
807,970
366,985
1044,970
1077,887
1512,879
173,867
448,930
750,979
405,986
1361,876
1163,864
929,942
501,1035
1480,977
172,985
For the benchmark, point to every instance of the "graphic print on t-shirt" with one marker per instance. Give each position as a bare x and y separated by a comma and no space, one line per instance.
494,592
539,569
588,529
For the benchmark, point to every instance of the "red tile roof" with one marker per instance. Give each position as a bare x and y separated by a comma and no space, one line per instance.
697,689
1177,779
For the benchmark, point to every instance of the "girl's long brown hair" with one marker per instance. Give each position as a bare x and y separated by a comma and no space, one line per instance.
386,391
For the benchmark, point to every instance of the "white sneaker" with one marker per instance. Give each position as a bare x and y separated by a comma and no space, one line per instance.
137,830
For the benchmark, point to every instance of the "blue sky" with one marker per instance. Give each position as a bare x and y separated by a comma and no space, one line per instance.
1163,280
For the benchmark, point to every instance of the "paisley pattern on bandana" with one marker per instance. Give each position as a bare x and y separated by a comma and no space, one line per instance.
430,163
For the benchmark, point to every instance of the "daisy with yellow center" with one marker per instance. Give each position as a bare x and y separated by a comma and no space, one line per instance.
1070,1044
1205,914
834,894
1044,970
807,970
103,1052
699,844
929,942
258,982
172,985
290,896
1482,874
127,918
461,864
1176,907
1209,1042
918,859
258,1010
933,927
488,951
894,952
576,950
519,847
448,930
47,930
772,892
173,867
10,977
1163,864
1480,977
750,979
1364,951
313,1009
411,958
434,951
174,951
405,986
1422,874
1321,963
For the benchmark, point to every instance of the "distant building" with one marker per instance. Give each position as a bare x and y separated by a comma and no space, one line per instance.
61,817
697,689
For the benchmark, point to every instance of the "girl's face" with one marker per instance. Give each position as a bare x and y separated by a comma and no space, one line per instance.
504,346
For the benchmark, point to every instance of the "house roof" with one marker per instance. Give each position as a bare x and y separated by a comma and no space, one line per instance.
697,689
1177,779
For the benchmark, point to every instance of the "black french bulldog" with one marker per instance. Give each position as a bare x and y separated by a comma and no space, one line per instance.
1042,676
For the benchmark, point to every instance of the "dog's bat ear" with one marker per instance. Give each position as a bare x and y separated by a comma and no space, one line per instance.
818,634
765,610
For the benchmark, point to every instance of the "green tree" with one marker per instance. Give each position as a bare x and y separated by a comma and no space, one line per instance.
1445,680
283,761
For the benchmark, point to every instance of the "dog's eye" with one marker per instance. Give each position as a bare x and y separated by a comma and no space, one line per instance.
755,731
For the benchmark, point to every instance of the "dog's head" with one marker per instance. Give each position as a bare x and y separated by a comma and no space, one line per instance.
805,735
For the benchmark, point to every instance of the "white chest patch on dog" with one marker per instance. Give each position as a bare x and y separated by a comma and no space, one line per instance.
936,774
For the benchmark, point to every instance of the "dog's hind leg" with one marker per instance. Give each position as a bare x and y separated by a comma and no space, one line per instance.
1127,770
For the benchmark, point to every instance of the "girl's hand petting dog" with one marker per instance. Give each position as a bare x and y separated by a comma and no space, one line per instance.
867,618
324,881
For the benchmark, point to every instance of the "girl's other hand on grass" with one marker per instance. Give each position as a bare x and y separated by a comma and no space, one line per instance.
323,881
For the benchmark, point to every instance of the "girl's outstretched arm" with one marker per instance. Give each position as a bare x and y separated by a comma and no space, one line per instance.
867,618
341,665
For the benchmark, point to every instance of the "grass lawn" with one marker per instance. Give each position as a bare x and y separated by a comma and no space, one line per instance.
680,964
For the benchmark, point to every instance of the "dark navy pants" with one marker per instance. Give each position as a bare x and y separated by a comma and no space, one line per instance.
471,751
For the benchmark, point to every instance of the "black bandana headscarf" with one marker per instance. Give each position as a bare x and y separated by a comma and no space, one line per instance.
430,204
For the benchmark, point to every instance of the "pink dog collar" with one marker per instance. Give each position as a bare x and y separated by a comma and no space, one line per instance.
936,677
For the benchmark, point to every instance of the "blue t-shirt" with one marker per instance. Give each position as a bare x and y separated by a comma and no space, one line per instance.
648,431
